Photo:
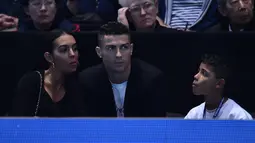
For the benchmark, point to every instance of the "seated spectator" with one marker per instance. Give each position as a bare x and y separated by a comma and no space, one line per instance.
196,15
210,82
84,13
90,10
237,16
52,92
122,86
43,15
141,15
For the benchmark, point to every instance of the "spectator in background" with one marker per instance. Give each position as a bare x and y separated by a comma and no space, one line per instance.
85,13
141,15
122,86
210,81
52,92
195,15
237,16
77,7
107,10
43,15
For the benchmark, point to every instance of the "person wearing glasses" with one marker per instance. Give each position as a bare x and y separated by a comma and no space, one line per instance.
122,86
210,82
53,92
141,15
40,15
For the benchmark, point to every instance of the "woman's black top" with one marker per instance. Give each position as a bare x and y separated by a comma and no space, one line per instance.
26,99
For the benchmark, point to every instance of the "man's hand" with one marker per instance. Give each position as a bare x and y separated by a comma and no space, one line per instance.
8,22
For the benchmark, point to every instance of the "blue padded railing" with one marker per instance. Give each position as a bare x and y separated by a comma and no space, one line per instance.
125,130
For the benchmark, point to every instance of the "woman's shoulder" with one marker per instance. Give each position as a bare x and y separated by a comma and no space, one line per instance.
31,77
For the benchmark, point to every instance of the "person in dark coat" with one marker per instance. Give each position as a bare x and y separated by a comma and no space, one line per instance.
121,86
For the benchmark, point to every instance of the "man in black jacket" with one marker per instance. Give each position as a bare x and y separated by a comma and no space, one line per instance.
122,86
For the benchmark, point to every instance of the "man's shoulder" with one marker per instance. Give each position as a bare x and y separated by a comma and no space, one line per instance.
91,73
146,68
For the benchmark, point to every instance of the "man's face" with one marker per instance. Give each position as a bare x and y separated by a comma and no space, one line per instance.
204,81
42,11
239,11
143,13
116,51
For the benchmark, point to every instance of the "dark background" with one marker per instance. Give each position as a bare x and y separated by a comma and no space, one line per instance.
176,54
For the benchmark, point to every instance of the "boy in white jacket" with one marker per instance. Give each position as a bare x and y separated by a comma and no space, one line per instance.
210,81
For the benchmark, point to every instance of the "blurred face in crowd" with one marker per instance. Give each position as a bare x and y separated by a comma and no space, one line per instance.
42,11
115,51
205,81
143,12
64,56
238,11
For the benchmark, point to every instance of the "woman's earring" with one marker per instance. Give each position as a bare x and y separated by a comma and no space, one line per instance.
53,65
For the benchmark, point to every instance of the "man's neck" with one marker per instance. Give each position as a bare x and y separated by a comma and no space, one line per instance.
118,78
213,101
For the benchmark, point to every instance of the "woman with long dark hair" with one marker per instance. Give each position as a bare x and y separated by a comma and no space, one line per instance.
53,92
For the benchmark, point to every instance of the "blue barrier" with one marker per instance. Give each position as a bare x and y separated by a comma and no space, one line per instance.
125,130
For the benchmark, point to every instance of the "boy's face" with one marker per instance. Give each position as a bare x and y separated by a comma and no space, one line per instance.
205,81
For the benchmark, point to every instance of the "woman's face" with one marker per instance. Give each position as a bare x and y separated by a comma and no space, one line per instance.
65,54
42,11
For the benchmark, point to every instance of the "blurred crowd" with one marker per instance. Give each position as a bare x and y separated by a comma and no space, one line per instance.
138,15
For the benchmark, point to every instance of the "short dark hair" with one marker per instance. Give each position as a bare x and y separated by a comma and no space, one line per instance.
219,64
112,28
